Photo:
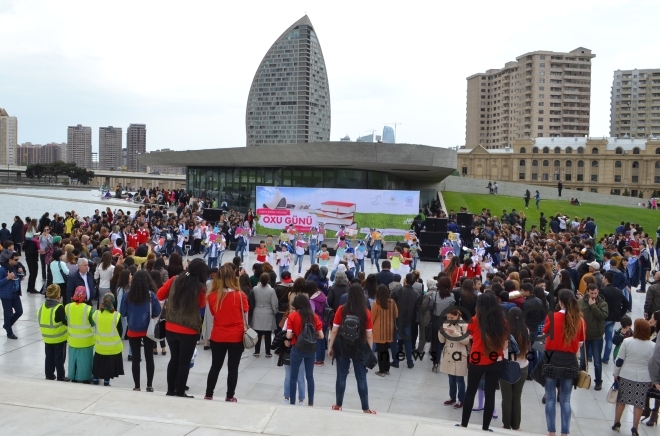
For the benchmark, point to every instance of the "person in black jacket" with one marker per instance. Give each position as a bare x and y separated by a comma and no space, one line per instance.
534,312
617,306
385,276
408,301
32,259
81,278
17,234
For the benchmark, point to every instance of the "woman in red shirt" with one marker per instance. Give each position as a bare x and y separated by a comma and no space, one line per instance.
302,314
185,295
566,333
489,337
229,307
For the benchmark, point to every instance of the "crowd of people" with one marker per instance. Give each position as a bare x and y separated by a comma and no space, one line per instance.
547,300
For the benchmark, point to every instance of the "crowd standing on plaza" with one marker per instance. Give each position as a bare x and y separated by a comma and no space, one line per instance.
508,305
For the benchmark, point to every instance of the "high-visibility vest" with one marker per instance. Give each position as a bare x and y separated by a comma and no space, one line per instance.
52,332
107,340
81,332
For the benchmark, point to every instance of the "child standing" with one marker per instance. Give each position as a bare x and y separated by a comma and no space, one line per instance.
453,360
270,246
414,251
624,332
52,322
283,258
323,256
340,249
261,252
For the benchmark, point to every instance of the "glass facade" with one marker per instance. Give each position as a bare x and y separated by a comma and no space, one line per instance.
237,186
289,100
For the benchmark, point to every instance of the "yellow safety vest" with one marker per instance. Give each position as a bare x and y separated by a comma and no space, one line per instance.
107,340
52,332
81,332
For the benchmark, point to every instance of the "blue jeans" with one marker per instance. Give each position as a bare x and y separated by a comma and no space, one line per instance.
596,348
375,258
534,353
282,269
321,347
13,309
360,265
300,382
565,386
456,383
406,336
360,371
308,360
298,260
609,334
213,261
312,254
178,250
240,251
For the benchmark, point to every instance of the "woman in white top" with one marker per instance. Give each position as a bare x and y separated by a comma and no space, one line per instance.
632,373
59,271
104,273
511,393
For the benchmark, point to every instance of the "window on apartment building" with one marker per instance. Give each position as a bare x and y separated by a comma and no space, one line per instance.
546,177
556,162
542,65
541,111
618,150
580,164
521,176
521,162
557,150
594,164
580,177
636,150
541,88
567,177
635,179
546,163
634,193
594,150
542,57
540,135
594,190
540,103
523,150
546,150
580,150
540,119
594,177
464,170
616,191
536,150
617,164
541,96
535,176
539,127
569,150
535,163
569,163
617,179
635,164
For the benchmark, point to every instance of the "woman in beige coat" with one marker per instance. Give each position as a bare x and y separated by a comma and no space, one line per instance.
454,358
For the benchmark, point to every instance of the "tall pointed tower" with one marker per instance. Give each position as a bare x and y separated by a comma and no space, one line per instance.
289,99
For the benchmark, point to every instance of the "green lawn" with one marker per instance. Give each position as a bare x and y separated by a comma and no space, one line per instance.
607,218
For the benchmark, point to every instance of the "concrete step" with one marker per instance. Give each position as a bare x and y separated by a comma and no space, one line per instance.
35,407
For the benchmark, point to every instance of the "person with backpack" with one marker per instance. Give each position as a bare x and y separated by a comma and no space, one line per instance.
351,338
320,307
302,331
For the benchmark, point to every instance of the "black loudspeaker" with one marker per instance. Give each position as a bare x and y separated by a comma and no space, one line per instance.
432,238
464,219
436,224
430,252
212,215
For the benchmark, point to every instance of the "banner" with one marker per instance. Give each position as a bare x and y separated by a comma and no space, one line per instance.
354,209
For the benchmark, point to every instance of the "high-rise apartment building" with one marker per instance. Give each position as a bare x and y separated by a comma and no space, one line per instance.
29,153
110,145
136,143
635,104
8,138
388,135
289,100
541,94
79,146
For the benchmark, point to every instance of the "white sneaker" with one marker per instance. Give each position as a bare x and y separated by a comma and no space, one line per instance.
285,401
301,402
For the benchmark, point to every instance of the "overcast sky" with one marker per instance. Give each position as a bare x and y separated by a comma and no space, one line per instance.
185,68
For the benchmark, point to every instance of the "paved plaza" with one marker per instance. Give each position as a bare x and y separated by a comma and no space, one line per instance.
417,393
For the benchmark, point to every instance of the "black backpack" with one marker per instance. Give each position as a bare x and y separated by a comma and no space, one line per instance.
306,342
349,337
328,314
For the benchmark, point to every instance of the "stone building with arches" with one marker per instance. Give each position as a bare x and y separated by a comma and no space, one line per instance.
618,166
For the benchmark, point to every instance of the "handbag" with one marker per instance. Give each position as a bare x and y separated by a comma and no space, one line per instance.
613,393
584,379
654,393
510,371
153,323
249,335
367,357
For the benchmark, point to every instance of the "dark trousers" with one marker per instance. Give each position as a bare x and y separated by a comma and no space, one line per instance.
13,309
218,352
475,372
136,345
197,246
17,247
42,258
383,354
267,338
511,401
32,261
55,355
182,348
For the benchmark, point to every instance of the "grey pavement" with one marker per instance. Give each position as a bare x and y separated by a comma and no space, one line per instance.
416,393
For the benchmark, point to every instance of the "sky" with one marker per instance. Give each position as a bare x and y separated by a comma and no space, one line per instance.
185,68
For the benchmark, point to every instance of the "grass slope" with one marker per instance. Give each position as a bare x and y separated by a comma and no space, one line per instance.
607,218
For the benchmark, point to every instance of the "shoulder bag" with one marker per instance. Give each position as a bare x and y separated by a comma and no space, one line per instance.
156,329
511,369
249,336
613,393
584,379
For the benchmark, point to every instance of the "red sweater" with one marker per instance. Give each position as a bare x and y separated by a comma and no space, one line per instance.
228,323
294,324
555,339
478,355
162,295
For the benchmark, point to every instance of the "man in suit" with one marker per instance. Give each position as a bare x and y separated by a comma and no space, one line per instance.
82,278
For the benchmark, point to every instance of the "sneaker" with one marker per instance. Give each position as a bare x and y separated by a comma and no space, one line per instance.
285,401
208,397
605,362
411,366
319,363
458,405
394,364
301,402
599,386
231,400
449,402
380,374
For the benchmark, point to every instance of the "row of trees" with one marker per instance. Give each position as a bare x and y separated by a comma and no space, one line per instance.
59,168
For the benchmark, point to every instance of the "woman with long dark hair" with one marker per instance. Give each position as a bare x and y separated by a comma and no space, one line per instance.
511,393
560,362
185,294
355,311
371,288
115,280
175,266
384,313
466,298
104,273
228,305
138,307
489,336
453,270
319,302
301,315
159,265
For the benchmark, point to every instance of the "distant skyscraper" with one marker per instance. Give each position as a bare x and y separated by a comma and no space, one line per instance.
634,105
366,138
289,100
388,135
110,145
79,145
8,138
136,143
